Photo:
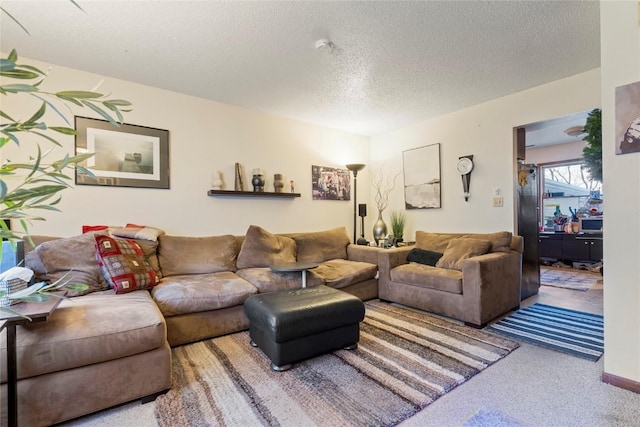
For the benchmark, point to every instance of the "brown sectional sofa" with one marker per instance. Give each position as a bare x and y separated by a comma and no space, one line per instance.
102,349
476,280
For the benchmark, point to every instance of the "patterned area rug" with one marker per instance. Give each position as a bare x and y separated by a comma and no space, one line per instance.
577,280
569,331
405,360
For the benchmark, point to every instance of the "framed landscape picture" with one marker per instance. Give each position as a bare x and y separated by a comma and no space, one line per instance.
422,177
124,156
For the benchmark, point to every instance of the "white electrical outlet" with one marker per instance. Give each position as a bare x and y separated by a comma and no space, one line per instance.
498,202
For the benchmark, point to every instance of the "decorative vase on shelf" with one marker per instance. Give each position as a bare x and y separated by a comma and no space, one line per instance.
379,229
216,183
257,180
278,183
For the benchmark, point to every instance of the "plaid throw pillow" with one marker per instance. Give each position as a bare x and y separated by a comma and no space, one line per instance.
123,265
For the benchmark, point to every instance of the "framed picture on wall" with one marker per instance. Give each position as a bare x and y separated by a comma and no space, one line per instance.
330,183
628,118
124,156
421,168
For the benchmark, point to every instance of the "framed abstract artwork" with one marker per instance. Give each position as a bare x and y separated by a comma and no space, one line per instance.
421,168
124,156
628,118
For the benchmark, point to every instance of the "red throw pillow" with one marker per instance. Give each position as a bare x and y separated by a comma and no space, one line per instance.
90,228
123,264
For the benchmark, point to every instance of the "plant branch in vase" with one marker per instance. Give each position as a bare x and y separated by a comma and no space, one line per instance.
382,189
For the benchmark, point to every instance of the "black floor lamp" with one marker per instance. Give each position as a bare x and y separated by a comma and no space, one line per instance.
355,168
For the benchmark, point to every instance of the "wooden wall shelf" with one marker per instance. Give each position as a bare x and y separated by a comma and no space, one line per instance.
232,193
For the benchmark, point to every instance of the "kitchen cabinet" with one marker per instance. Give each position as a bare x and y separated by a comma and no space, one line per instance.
571,247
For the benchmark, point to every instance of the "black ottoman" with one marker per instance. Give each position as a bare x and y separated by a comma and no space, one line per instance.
290,326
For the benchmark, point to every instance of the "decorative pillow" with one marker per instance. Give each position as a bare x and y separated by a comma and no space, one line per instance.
73,260
422,256
197,255
90,228
323,245
132,231
500,240
460,249
263,249
123,265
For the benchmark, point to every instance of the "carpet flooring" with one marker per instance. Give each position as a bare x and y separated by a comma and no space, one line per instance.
405,360
569,331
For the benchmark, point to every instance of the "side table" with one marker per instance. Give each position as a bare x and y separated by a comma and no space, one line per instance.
295,266
38,312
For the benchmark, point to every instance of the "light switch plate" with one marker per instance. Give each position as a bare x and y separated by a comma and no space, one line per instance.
498,202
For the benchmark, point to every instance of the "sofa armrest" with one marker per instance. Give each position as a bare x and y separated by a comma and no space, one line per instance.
387,260
491,285
363,253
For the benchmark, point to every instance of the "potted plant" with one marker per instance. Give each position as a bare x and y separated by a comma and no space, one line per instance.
398,221
32,186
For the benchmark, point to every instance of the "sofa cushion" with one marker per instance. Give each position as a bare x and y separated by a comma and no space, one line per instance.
426,276
197,255
423,256
193,293
339,273
323,245
87,330
123,264
460,249
74,257
263,249
268,281
435,242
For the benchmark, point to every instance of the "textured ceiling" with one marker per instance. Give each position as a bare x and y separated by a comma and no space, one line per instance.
393,63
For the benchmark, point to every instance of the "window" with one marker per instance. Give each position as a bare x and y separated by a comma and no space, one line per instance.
567,187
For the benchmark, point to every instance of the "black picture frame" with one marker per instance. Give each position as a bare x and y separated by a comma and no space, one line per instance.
124,156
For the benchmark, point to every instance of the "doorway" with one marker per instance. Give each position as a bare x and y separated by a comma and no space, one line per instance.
556,141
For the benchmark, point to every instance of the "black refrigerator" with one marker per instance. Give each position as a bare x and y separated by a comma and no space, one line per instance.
528,223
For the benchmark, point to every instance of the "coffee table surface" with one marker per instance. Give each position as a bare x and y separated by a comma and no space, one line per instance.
293,266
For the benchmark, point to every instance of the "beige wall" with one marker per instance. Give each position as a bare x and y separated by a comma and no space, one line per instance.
486,131
555,153
205,136
620,59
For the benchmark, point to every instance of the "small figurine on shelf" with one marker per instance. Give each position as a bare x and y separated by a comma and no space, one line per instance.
217,182
258,180
292,186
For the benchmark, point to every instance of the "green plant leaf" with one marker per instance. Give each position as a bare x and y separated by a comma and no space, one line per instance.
19,74
6,116
63,130
45,136
78,94
17,87
3,189
99,111
7,65
38,114
53,107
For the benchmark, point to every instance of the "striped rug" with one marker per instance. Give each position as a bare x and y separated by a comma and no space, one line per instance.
405,360
573,332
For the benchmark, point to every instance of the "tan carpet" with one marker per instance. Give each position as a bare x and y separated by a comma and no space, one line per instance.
405,361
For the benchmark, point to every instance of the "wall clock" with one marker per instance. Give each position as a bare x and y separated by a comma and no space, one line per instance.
465,166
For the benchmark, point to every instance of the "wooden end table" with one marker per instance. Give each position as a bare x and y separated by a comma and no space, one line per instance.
38,312
295,266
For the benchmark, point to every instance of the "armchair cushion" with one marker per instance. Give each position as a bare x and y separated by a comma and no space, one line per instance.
460,249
